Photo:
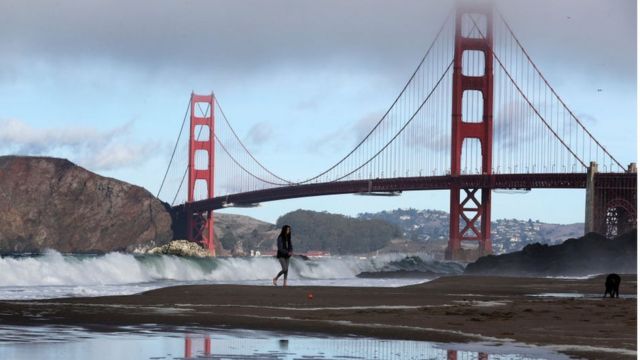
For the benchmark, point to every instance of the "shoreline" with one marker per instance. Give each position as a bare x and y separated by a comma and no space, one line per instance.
450,309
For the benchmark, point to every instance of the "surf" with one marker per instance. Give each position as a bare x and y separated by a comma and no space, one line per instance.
52,274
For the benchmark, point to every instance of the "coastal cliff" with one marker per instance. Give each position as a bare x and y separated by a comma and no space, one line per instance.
52,203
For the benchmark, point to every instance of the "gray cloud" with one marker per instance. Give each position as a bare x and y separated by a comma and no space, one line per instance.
363,126
601,33
215,35
345,139
244,37
428,137
118,155
260,133
94,149
329,142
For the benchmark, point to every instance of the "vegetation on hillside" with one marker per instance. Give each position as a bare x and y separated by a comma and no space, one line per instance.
337,234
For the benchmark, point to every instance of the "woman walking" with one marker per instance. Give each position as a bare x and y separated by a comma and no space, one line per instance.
284,253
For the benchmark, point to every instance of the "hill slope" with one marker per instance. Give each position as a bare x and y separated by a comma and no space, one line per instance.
431,227
337,234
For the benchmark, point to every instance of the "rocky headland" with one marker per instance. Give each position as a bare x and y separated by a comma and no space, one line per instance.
52,203
588,255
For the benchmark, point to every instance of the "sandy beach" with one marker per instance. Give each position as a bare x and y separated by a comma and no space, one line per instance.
449,309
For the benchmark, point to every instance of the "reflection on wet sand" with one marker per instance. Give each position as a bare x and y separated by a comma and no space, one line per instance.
150,342
453,355
188,343
284,344
199,346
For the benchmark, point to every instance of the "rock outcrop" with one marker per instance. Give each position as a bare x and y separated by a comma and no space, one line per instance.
590,254
180,248
53,203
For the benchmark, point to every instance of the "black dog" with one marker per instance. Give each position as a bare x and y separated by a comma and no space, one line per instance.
611,285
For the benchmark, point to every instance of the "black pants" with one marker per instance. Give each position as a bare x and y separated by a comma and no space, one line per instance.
284,262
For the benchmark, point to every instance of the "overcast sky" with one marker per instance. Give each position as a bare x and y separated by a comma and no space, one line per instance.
106,83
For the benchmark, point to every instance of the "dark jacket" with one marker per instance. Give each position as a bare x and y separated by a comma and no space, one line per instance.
284,248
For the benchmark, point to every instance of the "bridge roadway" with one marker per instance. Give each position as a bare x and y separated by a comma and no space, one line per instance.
494,181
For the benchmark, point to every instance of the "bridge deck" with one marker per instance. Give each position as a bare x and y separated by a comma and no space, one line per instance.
495,181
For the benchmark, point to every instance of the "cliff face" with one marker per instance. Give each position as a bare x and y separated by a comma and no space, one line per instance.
52,203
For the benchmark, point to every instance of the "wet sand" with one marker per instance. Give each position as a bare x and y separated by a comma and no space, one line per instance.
449,309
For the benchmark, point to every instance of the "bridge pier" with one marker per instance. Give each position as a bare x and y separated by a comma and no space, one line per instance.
610,206
589,210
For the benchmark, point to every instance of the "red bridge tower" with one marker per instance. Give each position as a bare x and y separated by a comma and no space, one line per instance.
475,207
200,225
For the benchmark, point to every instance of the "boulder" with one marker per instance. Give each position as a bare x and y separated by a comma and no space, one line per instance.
53,203
180,248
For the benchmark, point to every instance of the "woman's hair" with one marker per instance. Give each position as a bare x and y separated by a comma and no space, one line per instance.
284,234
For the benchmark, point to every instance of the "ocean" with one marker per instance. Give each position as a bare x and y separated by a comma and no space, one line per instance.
55,275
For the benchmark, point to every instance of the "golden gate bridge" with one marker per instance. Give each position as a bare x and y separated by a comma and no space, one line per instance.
476,115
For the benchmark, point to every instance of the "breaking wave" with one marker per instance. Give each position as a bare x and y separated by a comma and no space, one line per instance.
53,274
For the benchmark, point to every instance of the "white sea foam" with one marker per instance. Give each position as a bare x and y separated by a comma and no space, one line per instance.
54,275
54,268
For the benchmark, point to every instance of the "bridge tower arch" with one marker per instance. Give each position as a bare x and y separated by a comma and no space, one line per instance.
201,139
611,200
470,209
